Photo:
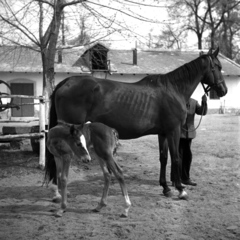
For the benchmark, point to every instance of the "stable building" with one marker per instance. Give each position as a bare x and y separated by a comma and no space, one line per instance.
21,69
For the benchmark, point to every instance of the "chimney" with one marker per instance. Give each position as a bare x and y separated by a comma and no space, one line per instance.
135,56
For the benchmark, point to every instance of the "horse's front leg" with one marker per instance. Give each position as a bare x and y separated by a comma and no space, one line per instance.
163,151
173,142
66,161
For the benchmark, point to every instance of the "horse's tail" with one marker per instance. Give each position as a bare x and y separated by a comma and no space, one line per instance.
50,165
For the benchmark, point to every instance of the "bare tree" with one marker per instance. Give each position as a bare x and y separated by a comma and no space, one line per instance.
18,25
17,17
190,16
171,37
227,34
201,16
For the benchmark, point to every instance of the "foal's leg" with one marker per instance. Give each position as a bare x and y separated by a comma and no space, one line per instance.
107,179
57,196
163,150
113,166
66,161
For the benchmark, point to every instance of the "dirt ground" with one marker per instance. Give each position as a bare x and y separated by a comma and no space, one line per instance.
212,211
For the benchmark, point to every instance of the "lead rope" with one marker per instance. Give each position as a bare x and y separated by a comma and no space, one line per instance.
198,123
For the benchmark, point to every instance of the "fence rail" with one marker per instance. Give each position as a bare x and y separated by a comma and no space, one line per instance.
22,96
10,137
42,130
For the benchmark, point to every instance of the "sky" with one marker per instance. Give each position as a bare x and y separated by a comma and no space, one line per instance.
140,29
151,10
130,31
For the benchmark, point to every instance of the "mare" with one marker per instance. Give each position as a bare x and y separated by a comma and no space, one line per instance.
66,141
154,105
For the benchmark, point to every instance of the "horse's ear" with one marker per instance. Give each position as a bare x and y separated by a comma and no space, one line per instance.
209,52
215,53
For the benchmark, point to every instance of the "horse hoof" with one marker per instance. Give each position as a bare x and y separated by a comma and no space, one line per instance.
56,199
59,213
183,195
168,193
96,210
123,215
41,167
99,207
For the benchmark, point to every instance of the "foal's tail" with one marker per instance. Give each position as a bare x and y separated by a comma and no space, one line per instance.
50,165
117,143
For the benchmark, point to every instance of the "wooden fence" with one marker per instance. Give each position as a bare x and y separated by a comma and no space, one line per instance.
42,124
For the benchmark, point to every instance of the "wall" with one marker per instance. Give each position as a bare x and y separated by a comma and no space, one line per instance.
36,78
231,101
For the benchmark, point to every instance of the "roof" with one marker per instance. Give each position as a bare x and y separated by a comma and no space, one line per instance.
161,61
19,59
15,59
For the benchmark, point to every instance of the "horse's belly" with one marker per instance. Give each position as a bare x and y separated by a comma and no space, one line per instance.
130,120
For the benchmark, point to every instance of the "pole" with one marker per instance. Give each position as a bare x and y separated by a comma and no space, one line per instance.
42,141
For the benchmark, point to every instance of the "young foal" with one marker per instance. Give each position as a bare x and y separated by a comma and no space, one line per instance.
66,140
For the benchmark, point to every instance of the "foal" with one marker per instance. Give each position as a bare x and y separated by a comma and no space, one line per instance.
66,140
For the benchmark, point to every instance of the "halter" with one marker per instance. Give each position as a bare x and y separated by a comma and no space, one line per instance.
216,83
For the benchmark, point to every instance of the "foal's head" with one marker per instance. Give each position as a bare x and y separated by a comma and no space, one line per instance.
79,143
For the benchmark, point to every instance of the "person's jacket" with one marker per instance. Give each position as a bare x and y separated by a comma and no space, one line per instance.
193,107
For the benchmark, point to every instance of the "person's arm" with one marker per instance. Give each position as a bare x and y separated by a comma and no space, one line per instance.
202,109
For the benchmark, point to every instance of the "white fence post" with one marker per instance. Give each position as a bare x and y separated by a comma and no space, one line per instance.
42,141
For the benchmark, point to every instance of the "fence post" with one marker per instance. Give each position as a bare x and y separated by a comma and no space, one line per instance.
42,141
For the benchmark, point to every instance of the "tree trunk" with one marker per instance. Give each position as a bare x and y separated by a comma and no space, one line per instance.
199,36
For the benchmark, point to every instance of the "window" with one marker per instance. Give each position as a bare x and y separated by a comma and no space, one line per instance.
213,94
23,89
99,60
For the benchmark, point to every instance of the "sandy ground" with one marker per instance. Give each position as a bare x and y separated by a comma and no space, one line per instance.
212,211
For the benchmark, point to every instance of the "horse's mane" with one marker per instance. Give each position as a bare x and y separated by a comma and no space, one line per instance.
177,77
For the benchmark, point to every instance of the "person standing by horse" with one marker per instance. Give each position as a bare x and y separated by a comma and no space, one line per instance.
188,133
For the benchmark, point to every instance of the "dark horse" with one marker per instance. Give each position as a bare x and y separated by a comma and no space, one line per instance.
154,105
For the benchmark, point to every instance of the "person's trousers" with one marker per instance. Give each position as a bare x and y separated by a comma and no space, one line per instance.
185,155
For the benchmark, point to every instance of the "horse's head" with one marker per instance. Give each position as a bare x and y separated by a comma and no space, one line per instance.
214,78
79,143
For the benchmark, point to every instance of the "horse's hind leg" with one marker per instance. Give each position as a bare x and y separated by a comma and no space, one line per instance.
163,150
113,166
107,179
57,196
66,161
